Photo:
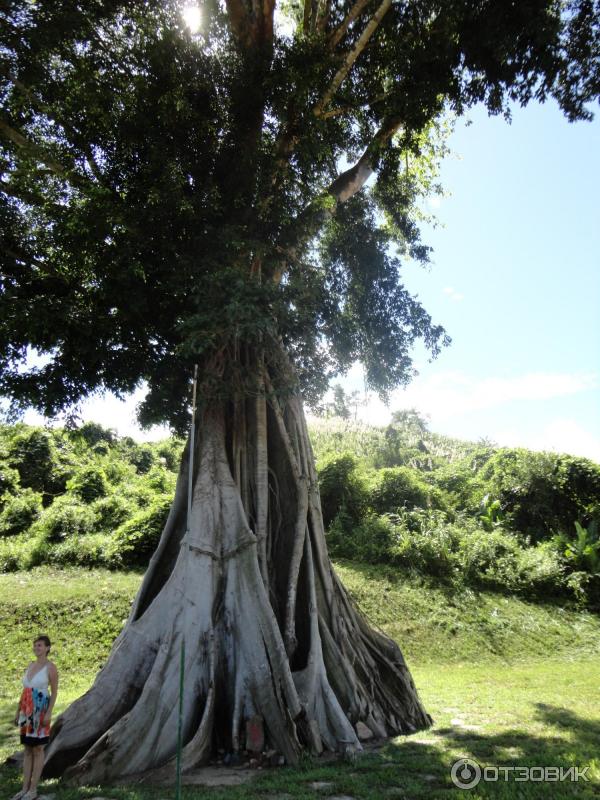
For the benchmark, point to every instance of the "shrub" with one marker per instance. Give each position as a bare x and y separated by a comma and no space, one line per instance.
135,541
33,453
370,540
66,517
9,481
92,433
92,550
89,483
402,487
426,543
112,511
342,489
541,493
22,551
20,512
159,480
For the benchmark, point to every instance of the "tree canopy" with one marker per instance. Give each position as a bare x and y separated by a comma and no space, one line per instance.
171,198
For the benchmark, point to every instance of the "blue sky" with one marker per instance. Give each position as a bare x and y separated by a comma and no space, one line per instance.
515,281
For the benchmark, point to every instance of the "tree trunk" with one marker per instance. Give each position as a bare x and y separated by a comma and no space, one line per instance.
269,630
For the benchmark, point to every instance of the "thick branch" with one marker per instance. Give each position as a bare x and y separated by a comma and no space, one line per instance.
353,179
323,15
252,26
307,16
21,141
74,133
339,33
239,19
342,189
352,56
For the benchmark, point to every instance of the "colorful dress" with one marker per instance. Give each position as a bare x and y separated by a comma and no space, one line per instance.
33,706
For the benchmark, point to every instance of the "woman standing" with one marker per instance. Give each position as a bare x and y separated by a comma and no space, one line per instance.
34,715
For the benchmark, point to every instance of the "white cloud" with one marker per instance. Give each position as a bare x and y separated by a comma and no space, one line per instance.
449,397
561,435
445,394
110,412
450,292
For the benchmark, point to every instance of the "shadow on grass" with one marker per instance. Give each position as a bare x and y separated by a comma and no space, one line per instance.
409,768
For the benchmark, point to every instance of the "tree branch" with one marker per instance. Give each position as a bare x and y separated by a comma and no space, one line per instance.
323,15
21,141
353,179
352,56
307,16
74,133
336,112
339,33
340,190
239,19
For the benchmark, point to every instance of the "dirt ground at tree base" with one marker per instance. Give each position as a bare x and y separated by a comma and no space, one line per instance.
214,775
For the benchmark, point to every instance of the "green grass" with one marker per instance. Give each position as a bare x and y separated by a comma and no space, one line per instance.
508,684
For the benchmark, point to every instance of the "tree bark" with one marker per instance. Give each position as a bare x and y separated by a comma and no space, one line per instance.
269,630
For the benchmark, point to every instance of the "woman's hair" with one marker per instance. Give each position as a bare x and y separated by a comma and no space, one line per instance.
43,638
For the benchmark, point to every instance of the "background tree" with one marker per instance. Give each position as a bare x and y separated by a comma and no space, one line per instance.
172,199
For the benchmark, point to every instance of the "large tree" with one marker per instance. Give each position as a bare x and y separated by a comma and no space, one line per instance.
240,198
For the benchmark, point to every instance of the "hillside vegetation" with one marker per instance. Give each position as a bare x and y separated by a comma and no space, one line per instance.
467,514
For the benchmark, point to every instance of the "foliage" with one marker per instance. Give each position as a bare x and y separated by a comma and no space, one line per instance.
65,518
9,480
33,453
110,512
135,540
402,487
542,493
425,542
342,489
490,515
147,168
20,512
445,519
88,484
584,551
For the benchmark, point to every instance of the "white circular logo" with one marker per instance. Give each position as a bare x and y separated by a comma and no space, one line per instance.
465,773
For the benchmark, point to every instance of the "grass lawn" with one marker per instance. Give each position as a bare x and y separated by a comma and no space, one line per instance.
508,683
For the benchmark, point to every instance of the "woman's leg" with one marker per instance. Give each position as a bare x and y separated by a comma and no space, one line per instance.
36,771
27,767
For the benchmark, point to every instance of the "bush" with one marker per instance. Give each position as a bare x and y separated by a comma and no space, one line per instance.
92,434
458,552
9,481
89,483
370,540
92,550
426,543
20,512
22,551
135,541
112,511
342,489
402,487
33,453
542,493
66,517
